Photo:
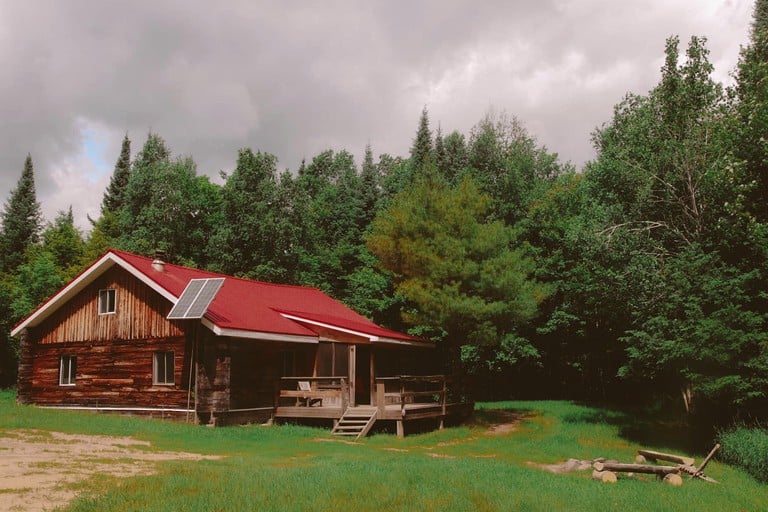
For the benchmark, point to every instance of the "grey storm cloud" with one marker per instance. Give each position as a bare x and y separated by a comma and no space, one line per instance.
295,78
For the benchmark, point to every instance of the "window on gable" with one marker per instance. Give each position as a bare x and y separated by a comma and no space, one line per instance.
107,302
163,368
67,369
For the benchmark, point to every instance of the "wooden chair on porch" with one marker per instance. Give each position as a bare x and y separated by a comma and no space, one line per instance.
308,399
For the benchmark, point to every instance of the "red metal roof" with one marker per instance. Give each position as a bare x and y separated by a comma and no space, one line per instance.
248,305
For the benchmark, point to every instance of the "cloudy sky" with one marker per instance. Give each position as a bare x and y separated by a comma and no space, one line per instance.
295,78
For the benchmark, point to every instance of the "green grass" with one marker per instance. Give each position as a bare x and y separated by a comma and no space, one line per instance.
461,468
747,447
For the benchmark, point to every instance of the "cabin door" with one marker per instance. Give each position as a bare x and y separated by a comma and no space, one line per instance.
362,374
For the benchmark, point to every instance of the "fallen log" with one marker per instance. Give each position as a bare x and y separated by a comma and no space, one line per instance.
635,468
669,457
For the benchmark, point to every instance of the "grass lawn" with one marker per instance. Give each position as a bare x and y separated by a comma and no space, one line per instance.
461,468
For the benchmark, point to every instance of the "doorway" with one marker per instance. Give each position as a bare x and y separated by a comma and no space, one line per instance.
362,375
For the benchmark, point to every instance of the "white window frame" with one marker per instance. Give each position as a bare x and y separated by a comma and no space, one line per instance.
104,301
67,369
167,356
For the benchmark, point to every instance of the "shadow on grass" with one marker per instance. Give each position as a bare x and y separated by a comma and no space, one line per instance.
486,418
651,428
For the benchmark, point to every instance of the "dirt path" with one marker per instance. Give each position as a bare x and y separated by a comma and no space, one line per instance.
39,470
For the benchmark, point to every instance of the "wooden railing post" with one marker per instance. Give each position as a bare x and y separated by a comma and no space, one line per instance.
402,398
278,385
344,394
380,397
445,393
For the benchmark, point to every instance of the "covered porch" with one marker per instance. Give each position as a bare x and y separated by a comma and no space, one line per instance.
244,381
399,399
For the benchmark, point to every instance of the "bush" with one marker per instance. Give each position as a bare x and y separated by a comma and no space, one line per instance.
746,447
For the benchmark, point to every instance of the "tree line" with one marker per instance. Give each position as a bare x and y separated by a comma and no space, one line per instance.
641,276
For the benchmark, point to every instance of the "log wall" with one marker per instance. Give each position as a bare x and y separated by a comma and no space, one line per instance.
139,314
114,373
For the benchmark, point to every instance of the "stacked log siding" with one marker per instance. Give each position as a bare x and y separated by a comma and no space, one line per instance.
111,373
114,351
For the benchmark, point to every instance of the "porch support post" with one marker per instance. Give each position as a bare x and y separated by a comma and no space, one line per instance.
400,429
372,386
352,375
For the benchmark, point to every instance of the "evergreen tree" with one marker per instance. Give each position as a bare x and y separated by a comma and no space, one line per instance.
8,345
759,18
370,182
460,272
106,229
114,195
440,156
422,150
21,221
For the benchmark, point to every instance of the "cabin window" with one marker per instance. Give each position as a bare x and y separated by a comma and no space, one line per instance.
107,303
163,368
67,369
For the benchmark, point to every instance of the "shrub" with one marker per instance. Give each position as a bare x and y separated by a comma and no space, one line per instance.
746,447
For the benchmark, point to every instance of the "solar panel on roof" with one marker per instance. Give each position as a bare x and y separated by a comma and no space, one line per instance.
195,299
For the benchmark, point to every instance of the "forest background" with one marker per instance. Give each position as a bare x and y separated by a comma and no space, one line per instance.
640,278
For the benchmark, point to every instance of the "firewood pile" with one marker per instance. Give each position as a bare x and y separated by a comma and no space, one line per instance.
646,462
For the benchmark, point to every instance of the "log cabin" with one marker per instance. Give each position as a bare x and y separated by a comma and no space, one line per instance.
138,335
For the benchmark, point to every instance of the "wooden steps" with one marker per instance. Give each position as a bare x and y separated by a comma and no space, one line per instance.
355,422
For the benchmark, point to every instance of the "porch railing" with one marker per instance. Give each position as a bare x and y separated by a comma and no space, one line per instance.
312,392
413,390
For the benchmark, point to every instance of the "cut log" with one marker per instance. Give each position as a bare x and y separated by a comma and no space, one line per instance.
669,457
635,468
640,460
673,479
609,477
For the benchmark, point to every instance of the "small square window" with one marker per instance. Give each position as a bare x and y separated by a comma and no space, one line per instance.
67,369
163,368
107,303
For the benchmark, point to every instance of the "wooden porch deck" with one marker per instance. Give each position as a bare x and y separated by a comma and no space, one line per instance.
399,399
389,412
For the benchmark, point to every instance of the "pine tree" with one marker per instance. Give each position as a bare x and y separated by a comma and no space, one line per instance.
370,178
114,196
440,157
421,151
760,18
21,221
